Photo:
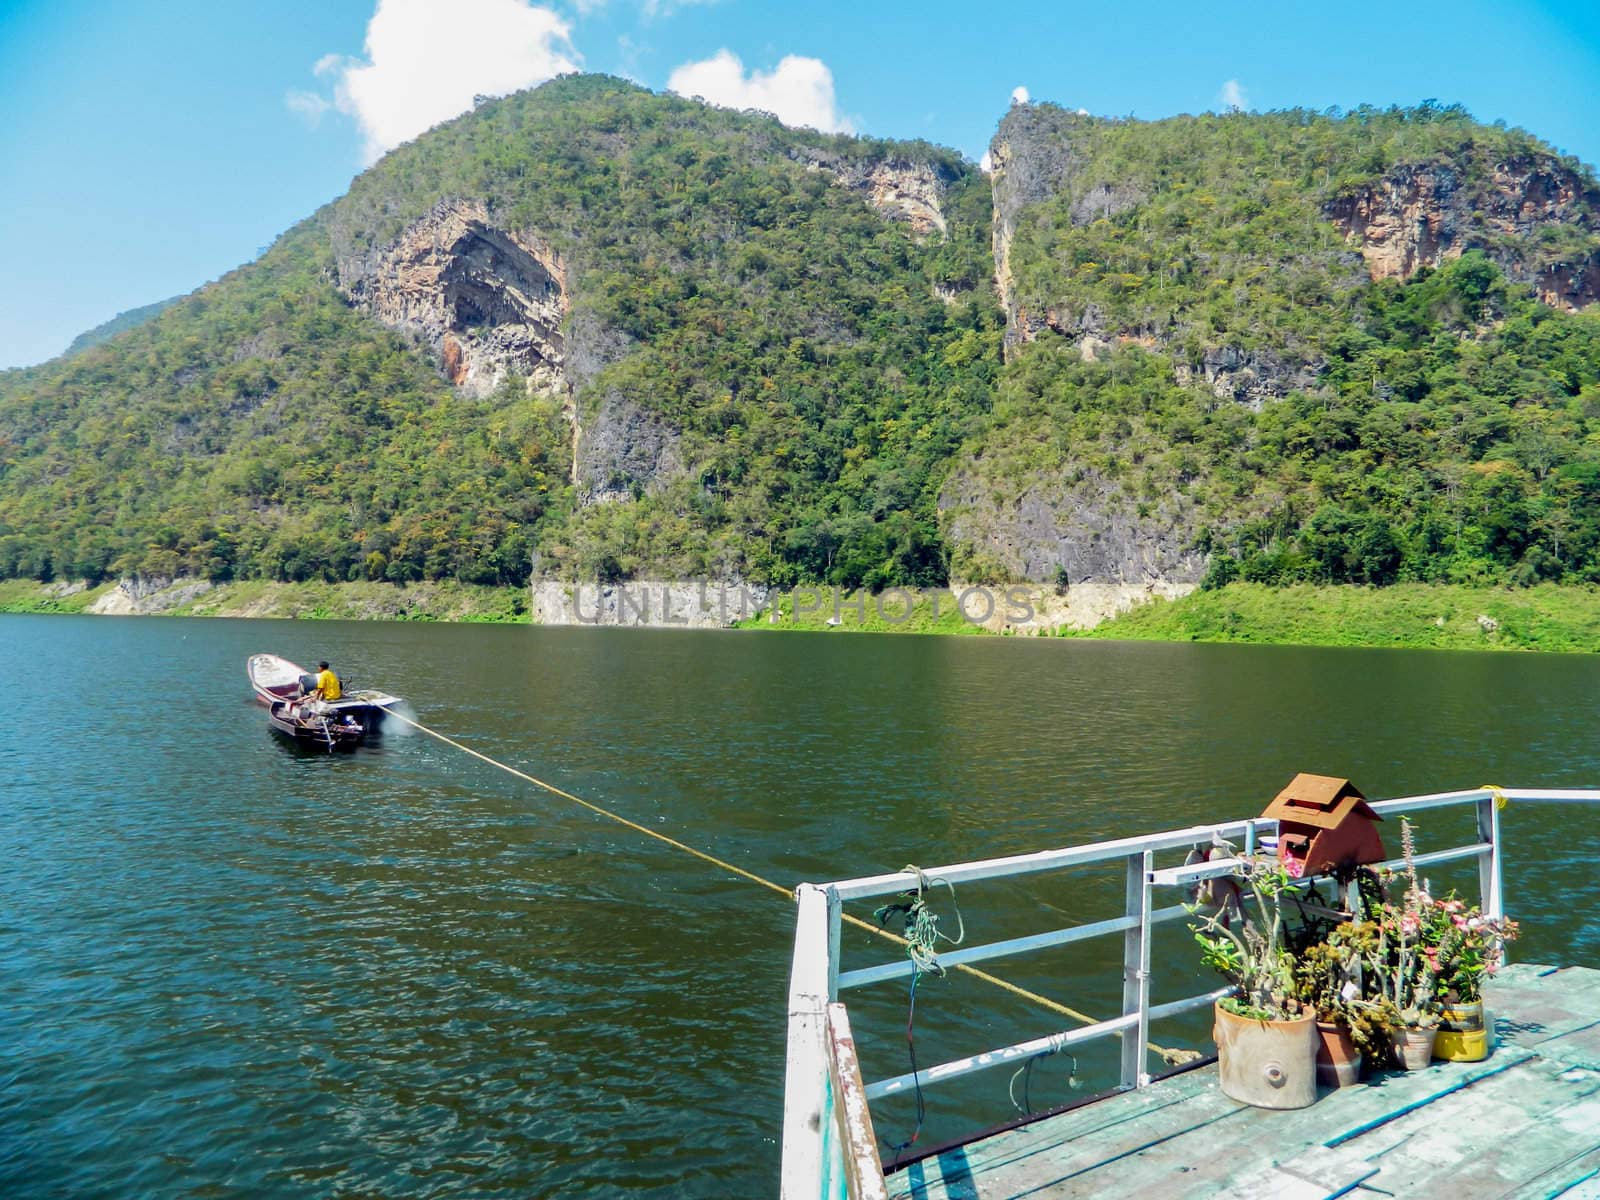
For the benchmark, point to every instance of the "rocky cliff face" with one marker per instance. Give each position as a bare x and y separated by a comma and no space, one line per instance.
1251,377
899,188
623,447
1086,526
488,301
1030,159
1420,215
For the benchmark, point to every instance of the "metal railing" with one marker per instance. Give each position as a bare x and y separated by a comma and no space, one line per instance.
819,1136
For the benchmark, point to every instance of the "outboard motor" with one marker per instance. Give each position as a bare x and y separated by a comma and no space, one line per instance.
308,684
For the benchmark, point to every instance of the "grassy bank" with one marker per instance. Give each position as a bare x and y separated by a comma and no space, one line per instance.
30,596
364,601
1547,617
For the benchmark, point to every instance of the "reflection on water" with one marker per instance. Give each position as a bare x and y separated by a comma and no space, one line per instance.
231,967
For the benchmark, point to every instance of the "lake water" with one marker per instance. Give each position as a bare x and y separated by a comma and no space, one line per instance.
231,968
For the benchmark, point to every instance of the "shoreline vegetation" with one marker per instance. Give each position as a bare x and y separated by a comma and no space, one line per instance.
1546,617
360,601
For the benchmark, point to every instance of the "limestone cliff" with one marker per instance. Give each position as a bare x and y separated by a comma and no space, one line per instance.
490,301
623,448
1034,526
898,187
487,301
1423,214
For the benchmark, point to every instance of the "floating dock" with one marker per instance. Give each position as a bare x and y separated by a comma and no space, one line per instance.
1523,1123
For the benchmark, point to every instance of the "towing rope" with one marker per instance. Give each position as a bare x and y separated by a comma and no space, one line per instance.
1177,1057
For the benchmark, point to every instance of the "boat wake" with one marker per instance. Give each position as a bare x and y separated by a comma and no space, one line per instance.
405,727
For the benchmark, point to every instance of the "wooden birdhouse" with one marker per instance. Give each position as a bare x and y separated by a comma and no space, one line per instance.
1325,823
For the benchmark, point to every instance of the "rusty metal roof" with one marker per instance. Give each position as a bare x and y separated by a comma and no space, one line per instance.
1324,801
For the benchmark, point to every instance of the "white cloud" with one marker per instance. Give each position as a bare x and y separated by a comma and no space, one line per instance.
420,70
798,92
1019,95
1233,96
652,10
986,163
308,105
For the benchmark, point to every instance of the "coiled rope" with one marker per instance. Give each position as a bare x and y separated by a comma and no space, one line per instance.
1173,1056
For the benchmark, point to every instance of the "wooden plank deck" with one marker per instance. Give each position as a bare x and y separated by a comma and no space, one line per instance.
1525,1123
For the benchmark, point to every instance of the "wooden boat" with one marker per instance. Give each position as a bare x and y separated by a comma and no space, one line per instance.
345,722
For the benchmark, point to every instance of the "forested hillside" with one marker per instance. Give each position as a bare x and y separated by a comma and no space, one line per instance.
769,371
1204,370
627,335
131,319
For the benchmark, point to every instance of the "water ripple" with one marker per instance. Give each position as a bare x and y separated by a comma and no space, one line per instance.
235,968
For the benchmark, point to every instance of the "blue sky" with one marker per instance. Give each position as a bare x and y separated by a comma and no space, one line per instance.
148,147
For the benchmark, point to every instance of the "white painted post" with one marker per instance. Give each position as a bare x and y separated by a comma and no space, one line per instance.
1136,969
1490,866
805,1086
835,912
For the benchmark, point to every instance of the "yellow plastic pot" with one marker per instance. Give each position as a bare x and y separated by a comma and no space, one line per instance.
1463,1034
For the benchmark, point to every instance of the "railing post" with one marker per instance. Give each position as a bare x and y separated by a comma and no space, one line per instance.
1136,969
806,1084
1490,865
835,915
863,1169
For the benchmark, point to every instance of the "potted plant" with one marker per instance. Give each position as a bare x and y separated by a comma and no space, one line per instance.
1406,966
1349,1025
1464,948
1265,1033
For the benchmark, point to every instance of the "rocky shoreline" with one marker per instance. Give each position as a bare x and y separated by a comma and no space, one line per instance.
1548,617
1028,609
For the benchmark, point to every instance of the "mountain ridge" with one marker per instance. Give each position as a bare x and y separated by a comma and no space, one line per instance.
629,334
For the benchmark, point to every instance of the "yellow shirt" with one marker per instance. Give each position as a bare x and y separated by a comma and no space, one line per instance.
329,683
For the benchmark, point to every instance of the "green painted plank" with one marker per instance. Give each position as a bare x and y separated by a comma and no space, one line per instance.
1093,1118
1523,1132
1584,1187
1433,1153
1316,1174
1577,1048
1353,1112
1413,1131
1244,1160
990,1173
1089,1123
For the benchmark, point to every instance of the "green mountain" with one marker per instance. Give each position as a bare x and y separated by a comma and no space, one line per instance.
626,329
128,319
1300,346
629,335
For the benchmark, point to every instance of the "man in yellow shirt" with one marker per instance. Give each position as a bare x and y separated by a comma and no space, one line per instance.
327,687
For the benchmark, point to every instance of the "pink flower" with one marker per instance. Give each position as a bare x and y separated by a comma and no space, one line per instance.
1409,923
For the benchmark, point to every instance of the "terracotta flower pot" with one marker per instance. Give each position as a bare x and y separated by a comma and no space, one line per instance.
1338,1060
1414,1047
1267,1064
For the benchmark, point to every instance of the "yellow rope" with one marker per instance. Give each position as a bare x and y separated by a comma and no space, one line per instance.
1171,1055
1499,796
